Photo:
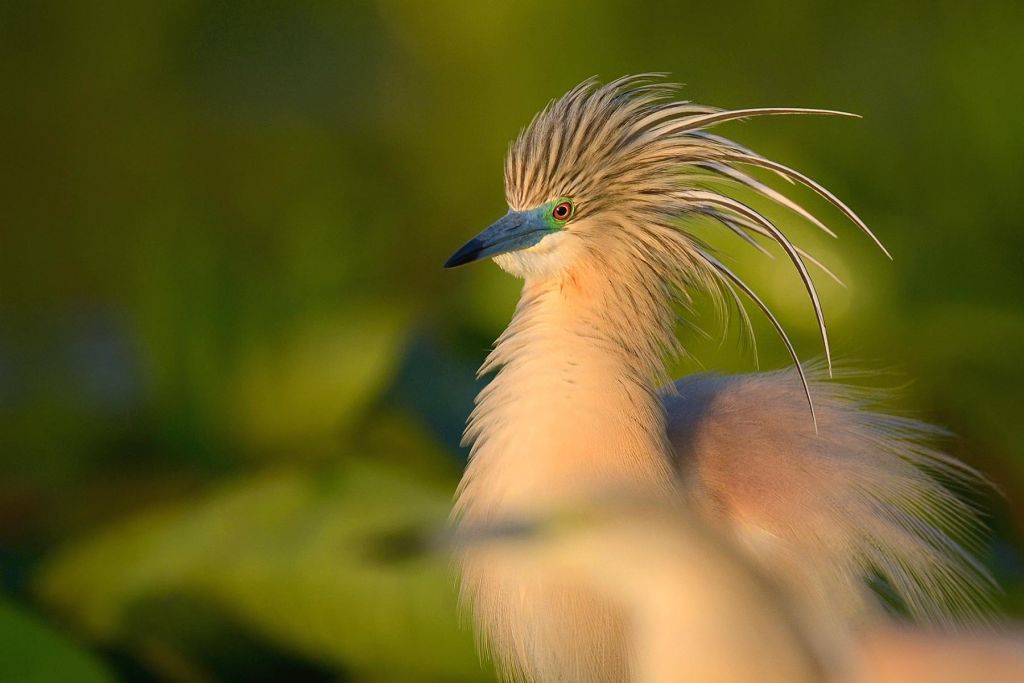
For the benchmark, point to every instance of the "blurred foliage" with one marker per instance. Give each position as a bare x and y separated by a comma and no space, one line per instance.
34,653
293,555
229,355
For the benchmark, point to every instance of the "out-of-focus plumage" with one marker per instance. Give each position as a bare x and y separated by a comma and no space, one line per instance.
694,608
831,509
603,187
697,607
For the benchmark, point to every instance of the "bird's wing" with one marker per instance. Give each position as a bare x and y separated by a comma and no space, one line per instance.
865,498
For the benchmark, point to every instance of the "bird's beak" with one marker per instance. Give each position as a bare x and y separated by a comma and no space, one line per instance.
514,231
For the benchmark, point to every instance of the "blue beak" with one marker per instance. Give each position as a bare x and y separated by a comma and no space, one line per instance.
514,231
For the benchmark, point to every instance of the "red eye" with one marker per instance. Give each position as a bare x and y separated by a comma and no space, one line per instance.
562,211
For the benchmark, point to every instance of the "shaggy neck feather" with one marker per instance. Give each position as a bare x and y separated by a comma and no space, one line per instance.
573,411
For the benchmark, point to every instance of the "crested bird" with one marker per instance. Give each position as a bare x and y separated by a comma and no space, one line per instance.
846,507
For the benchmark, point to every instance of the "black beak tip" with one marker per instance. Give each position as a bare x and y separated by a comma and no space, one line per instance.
468,253
454,262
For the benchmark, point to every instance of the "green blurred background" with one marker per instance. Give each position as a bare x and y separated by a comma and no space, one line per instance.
229,357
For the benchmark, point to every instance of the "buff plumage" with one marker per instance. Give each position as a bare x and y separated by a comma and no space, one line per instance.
818,486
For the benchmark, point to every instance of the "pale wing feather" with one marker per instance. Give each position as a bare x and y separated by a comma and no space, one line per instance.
863,498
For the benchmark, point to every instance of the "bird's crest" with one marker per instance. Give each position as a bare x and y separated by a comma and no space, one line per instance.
631,150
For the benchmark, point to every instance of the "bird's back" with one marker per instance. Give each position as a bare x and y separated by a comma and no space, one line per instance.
829,512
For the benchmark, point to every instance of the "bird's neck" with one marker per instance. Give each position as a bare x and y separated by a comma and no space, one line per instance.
573,411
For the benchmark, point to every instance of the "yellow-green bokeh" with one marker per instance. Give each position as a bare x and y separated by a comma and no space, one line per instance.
229,356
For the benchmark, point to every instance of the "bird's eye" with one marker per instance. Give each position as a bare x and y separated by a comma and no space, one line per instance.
562,211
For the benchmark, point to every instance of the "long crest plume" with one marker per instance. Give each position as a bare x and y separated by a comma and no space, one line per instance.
642,161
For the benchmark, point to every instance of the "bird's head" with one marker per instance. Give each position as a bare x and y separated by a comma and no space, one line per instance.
609,177
590,166
618,168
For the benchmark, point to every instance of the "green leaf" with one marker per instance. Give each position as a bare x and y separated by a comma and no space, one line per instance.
33,652
316,381
290,554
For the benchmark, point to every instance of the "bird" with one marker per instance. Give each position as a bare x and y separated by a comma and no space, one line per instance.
698,610
851,510
694,608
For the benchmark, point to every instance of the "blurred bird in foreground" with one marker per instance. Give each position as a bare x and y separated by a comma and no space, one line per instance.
819,490
697,609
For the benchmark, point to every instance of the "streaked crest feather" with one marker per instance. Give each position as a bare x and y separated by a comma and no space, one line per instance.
629,150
